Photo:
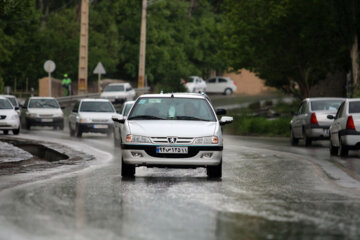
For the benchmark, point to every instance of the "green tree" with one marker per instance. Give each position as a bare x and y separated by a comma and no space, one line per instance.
285,42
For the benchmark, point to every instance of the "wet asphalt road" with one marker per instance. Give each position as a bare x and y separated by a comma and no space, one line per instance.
269,190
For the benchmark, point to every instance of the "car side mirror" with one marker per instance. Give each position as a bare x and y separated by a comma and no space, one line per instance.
74,110
226,120
331,117
17,108
220,111
62,107
118,118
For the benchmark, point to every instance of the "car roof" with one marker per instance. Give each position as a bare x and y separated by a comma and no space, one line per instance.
324,98
42,98
2,97
176,95
5,95
94,100
129,102
352,99
117,84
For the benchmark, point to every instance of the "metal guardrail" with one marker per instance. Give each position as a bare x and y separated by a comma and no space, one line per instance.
69,99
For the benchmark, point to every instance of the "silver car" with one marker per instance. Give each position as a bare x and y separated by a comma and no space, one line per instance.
176,130
345,130
310,122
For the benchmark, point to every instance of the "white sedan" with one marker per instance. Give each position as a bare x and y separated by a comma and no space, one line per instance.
345,130
172,130
9,118
91,115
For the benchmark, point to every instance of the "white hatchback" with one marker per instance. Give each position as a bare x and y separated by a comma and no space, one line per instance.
195,84
345,130
172,130
9,118
224,85
118,92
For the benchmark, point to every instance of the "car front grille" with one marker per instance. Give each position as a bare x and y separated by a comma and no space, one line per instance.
180,140
99,120
45,115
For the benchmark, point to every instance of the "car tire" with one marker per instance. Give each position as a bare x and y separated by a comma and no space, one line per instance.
27,125
307,139
228,91
127,170
72,132
343,150
61,127
78,131
294,141
16,131
6,132
333,150
214,171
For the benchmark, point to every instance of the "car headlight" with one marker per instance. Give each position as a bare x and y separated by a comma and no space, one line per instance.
31,115
207,140
137,139
85,120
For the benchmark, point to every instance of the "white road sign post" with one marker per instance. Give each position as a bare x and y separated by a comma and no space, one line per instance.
99,69
49,66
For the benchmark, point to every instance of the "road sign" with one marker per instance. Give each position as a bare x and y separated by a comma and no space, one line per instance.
99,69
49,66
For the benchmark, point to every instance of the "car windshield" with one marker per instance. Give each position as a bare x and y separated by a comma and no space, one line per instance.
43,103
325,105
190,79
114,88
13,101
94,106
161,108
354,107
5,104
127,108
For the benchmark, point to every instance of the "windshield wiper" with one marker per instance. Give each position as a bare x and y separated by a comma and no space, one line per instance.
191,118
146,117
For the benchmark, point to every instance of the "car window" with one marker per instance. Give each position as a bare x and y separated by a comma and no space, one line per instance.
76,107
128,89
114,88
222,80
190,80
172,109
95,106
325,105
43,103
339,112
126,109
354,107
13,101
211,80
5,104
301,109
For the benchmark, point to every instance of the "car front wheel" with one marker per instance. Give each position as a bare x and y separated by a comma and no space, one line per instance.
127,170
294,141
78,131
16,131
228,91
214,171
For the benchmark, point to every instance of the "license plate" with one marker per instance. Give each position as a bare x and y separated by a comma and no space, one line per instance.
172,150
100,126
326,132
46,120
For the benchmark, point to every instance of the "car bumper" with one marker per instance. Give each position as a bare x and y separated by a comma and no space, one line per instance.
145,155
318,132
45,121
350,138
9,124
96,127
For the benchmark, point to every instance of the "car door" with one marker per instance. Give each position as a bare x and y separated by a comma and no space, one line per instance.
73,115
222,84
338,124
296,124
211,85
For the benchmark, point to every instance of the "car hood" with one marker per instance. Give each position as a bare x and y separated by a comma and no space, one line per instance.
45,111
112,94
165,128
97,115
8,112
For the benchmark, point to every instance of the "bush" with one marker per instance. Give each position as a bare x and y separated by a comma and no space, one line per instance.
257,126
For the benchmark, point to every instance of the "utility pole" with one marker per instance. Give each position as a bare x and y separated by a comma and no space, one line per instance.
83,55
142,55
